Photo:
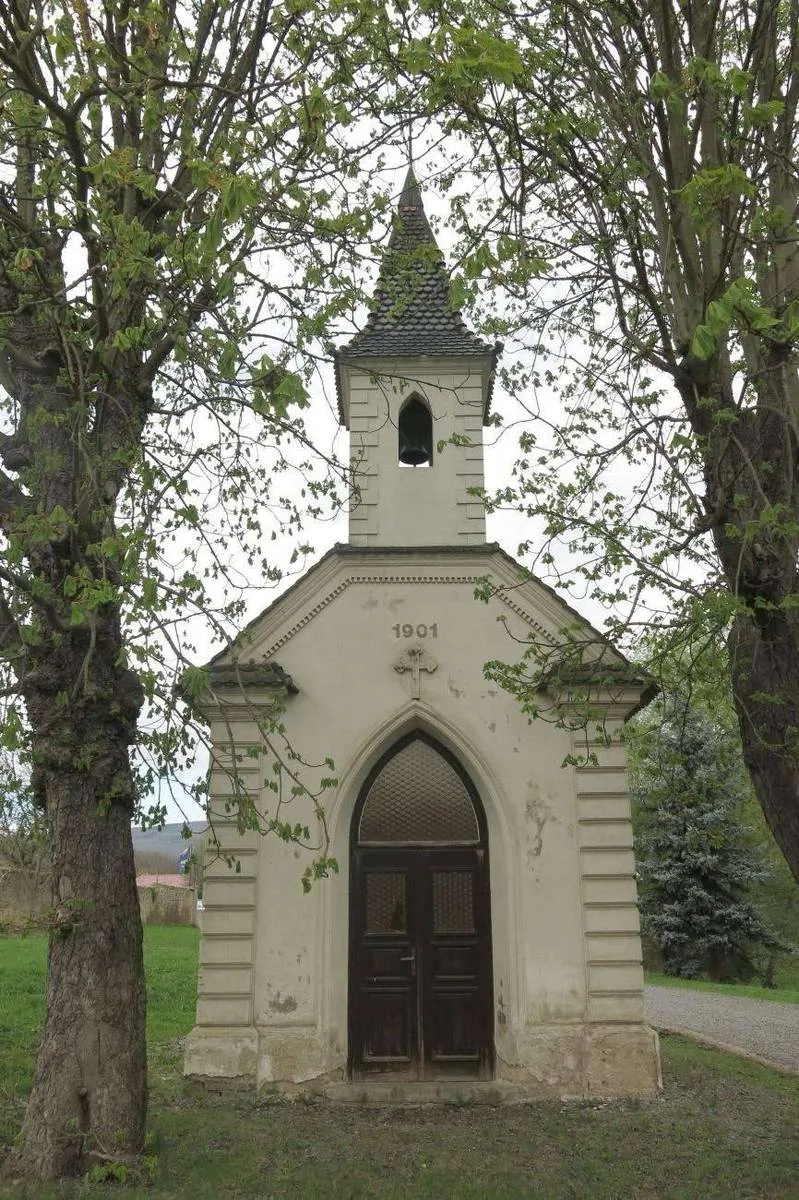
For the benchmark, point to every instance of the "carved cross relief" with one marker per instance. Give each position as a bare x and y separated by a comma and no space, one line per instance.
415,660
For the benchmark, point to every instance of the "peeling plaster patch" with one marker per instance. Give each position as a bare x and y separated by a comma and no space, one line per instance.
502,1018
536,813
282,1004
457,692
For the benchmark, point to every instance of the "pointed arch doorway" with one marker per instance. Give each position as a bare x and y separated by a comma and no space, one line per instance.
420,978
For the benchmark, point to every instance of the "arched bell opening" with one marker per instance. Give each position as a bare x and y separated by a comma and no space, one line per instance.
415,434
420,975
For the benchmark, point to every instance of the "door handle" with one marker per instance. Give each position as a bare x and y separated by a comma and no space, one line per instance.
411,958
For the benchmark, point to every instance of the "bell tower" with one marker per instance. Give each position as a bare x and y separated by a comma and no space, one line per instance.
414,389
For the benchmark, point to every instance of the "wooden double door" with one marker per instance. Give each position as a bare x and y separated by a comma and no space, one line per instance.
420,964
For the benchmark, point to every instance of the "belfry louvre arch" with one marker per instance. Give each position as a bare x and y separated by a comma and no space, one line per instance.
420,991
415,433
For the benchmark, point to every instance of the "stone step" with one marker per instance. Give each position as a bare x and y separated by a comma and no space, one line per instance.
436,1091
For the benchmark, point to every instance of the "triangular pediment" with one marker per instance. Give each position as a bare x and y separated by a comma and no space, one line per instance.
347,573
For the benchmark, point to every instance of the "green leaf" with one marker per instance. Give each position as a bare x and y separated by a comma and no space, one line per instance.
290,391
195,682
703,345
150,592
660,86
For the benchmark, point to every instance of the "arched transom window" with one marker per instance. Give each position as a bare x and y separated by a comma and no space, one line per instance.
418,796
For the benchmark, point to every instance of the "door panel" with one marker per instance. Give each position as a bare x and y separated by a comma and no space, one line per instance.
455,962
388,1034
455,1003
454,1036
420,964
385,1020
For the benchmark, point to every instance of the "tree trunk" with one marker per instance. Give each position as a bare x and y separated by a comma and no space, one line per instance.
751,478
89,1096
764,662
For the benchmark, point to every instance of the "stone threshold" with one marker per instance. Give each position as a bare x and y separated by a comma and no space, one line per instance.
435,1091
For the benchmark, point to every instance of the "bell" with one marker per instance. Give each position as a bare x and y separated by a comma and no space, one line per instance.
415,434
413,454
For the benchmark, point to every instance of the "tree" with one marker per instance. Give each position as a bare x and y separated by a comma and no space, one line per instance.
179,220
694,675
697,864
641,212
23,830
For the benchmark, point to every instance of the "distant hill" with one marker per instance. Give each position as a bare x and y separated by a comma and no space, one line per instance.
167,840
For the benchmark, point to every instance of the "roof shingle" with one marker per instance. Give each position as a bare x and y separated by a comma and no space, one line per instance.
412,314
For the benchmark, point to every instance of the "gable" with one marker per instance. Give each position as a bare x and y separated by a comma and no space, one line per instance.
348,578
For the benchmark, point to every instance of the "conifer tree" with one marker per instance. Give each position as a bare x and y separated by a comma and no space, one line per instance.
696,864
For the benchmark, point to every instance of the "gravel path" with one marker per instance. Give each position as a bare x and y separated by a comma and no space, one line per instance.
757,1028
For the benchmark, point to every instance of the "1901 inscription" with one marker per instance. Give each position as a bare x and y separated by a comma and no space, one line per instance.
407,630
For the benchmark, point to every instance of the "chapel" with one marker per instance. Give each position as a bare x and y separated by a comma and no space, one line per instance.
481,930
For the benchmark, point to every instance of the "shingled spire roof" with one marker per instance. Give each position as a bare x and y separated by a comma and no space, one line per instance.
411,312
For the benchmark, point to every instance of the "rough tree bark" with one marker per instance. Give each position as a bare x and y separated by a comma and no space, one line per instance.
760,571
751,470
765,682
89,1097
64,465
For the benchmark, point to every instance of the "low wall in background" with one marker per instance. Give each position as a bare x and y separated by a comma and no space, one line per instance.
24,895
168,905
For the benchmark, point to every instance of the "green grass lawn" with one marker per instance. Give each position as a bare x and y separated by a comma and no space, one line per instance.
787,991
724,1127
170,961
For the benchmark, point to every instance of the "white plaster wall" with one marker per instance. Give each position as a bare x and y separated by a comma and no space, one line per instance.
564,925
351,706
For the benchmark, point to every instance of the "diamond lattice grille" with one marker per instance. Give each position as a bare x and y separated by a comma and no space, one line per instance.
418,797
385,903
453,902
